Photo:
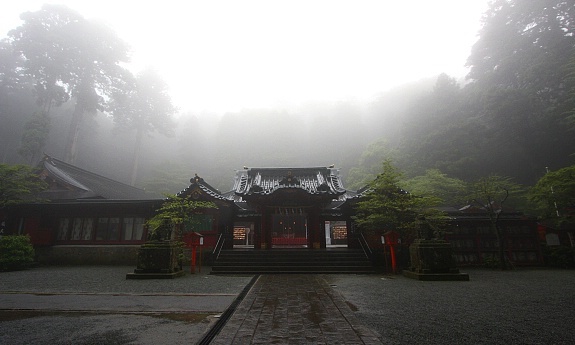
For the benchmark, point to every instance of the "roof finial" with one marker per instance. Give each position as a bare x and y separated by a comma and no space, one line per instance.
195,179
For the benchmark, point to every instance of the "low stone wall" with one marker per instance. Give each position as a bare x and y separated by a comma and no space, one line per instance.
88,255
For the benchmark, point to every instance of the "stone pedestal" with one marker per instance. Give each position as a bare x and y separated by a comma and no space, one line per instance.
433,260
158,260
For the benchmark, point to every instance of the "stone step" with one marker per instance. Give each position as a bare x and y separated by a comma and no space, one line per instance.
295,263
292,261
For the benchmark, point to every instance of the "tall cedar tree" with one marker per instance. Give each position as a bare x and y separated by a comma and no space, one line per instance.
70,57
145,107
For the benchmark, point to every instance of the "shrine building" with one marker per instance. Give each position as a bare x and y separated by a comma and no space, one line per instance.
281,207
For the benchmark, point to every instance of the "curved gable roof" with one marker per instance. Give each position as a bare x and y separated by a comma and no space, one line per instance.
71,182
198,184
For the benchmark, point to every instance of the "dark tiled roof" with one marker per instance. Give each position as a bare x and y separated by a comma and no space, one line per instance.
263,181
70,182
198,182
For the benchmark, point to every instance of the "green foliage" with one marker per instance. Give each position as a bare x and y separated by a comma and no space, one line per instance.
35,136
18,183
522,43
167,177
176,211
145,107
70,57
10,79
369,164
518,68
449,191
511,118
386,206
491,262
559,256
16,252
490,194
570,80
554,195
41,40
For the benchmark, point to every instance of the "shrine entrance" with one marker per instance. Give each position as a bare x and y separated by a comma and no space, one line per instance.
289,229
289,205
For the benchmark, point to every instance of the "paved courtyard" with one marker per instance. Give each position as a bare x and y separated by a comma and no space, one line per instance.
97,305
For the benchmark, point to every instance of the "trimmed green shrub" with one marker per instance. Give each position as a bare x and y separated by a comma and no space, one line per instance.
560,256
16,252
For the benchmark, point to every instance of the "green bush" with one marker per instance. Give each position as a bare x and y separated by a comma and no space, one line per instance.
492,262
560,256
16,253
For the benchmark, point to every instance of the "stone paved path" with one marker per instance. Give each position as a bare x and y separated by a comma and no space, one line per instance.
293,309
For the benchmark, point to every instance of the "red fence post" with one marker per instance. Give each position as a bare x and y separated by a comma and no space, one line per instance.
392,239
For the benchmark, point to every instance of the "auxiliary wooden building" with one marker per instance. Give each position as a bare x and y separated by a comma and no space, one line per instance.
83,217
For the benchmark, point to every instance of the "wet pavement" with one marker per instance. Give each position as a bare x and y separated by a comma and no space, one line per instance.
294,309
98,305
122,303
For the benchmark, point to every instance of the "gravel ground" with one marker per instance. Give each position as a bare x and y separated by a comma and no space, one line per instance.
112,279
74,288
524,306
105,329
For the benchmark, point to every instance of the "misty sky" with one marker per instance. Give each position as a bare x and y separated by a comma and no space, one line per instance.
227,55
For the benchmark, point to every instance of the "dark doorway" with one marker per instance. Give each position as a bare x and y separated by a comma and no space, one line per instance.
289,230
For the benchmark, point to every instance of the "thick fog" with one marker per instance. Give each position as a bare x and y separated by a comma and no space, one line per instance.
510,115
214,145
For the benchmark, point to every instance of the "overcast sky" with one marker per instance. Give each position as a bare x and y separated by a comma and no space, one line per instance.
228,55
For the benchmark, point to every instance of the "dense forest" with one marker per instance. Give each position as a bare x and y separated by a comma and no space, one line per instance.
513,115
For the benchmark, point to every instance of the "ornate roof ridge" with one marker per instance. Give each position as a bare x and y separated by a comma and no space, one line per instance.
264,181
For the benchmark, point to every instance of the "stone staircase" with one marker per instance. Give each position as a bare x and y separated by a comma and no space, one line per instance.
274,261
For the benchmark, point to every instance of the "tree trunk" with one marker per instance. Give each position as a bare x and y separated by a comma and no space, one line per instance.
136,157
71,148
501,242
86,102
495,229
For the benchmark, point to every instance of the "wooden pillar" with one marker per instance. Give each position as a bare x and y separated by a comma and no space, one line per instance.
352,240
321,232
265,233
316,233
258,234
226,229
